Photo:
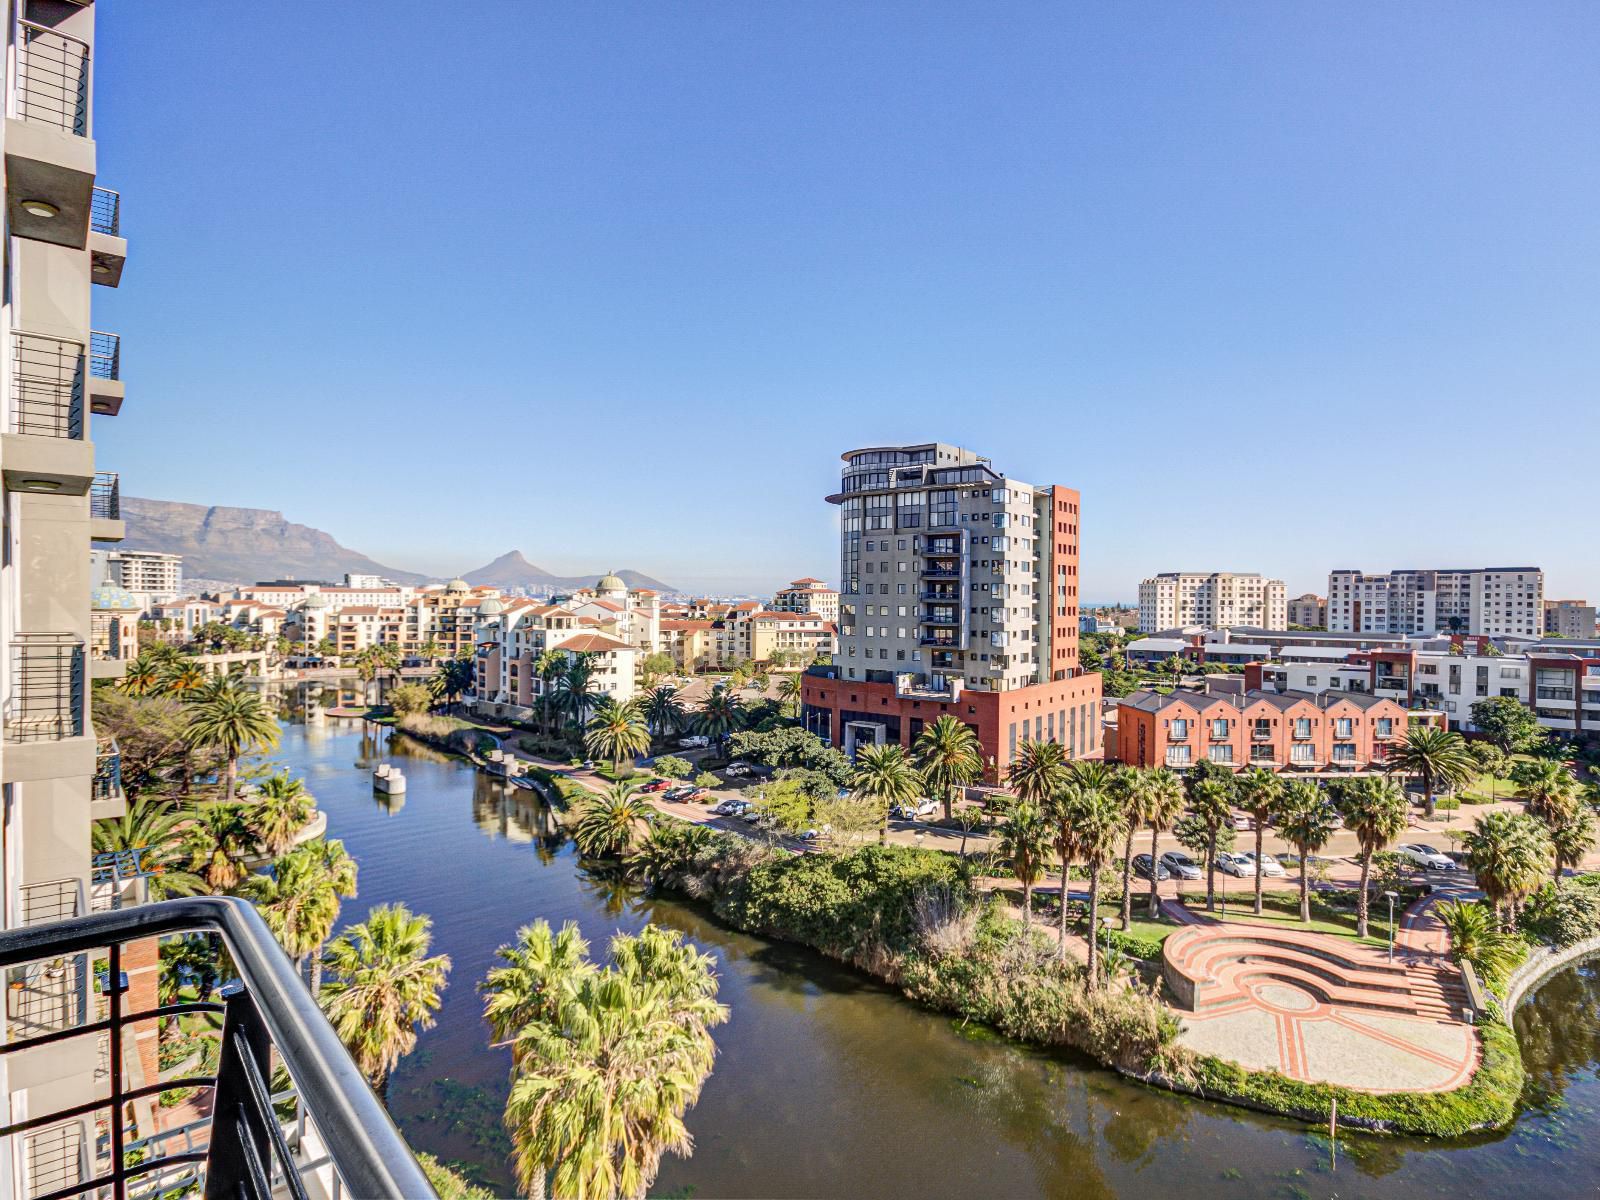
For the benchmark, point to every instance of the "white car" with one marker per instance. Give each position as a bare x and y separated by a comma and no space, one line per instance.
1241,866
1269,866
695,742
1179,865
927,808
1426,857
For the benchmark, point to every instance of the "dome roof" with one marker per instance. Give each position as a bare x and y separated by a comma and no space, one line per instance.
109,597
458,585
317,600
491,608
611,582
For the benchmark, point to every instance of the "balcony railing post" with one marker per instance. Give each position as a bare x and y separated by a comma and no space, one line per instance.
230,1159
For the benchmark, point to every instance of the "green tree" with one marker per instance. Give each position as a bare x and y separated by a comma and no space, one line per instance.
607,824
1096,823
1162,801
1474,938
720,715
1572,835
1211,793
1025,837
299,900
383,986
789,688
234,721
408,698
1306,821
143,675
1375,810
1038,770
1437,757
1508,723
615,732
664,711
949,757
539,973
787,803
575,690
884,777
1547,786
154,830
453,679
1258,791
1507,852
280,810
218,841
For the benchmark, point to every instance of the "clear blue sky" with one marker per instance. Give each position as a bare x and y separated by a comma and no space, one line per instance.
614,284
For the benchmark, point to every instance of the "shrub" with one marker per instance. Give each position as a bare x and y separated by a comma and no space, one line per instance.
674,767
1561,914
449,1183
409,698
707,780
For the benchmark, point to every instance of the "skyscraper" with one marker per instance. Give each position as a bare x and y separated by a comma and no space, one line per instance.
959,595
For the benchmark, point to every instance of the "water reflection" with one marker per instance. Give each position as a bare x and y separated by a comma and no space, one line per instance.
826,1083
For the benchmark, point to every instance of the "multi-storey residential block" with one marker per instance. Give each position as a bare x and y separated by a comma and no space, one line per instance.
1327,732
808,596
1176,598
1486,601
1309,611
152,577
1569,618
959,595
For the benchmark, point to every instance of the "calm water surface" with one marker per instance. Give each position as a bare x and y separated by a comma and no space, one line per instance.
827,1085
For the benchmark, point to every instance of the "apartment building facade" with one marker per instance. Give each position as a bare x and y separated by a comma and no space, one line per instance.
1309,611
154,577
1308,732
1486,601
61,376
807,595
1176,598
959,596
1569,618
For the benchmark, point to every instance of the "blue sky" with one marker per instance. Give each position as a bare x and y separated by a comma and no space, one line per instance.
615,284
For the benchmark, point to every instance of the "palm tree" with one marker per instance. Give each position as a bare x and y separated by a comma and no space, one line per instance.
154,830
1572,835
183,677
1475,938
234,721
541,971
218,839
453,678
143,675
1258,791
575,690
789,689
607,823
550,666
1375,810
1546,785
1131,790
616,731
661,958
884,777
1025,839
299,901
1210,792
949,757
429,650
1038,770
1306,822
1507,852
720,715
280,811
1163,807
663,710
1097,823
383,987
1437,756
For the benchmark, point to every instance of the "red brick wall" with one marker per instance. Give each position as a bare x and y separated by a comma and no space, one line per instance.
1063,587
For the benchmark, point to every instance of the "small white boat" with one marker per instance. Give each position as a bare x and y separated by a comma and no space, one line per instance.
387,778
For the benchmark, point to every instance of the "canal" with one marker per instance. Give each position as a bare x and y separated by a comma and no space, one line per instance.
828,1085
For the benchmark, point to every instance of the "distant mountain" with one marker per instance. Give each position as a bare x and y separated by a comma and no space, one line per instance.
512,570
244,544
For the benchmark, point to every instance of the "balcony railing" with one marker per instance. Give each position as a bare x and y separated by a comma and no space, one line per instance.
931,617
52,78
107,770
47,386
1261,735
105,355
946,643
105,212
940,597
247,1150
46,700
105,496
931,572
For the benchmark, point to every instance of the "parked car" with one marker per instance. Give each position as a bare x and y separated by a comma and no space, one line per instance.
656,785
1268,866
736,770
752,816
1141,868
1240,866
1425,856
588,764
694,742
926,808
678,793
1179,865
903,812
697,795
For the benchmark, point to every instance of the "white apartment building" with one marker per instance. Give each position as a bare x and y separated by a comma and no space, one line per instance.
1480,601
1212,599
1309,611
61,376
153,577
807,595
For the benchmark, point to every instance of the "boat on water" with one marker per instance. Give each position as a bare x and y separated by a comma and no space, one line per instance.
388,778
522,781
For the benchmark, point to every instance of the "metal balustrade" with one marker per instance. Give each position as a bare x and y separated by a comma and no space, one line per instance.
52,78
47,386
342,1139
105,355
105,212
105,496
45,703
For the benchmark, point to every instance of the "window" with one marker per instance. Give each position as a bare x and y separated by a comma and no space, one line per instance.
1385,726
1219,727
1343,752
1302,754
1177,756
1343,727
1302,727
1260,754
1178,729
1221,754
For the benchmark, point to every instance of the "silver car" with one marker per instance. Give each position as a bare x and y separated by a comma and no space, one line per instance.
1179,865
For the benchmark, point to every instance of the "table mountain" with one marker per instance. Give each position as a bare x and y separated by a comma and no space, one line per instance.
512,570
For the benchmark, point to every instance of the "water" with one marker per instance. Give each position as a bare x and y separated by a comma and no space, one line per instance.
828,1085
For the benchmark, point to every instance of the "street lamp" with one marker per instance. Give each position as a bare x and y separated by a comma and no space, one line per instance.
1390,897
1105,924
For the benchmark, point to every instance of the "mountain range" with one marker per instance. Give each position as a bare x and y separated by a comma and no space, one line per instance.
244,545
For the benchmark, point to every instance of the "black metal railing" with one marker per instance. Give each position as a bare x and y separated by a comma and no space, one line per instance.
52,78
105,496
45,703
107,770
105,212
47,386
105,355
247,1152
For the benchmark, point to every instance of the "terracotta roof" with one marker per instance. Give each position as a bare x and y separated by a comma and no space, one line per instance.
684,625
645,592
607,604
592,643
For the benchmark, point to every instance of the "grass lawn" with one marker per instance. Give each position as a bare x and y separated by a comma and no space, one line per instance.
1284,913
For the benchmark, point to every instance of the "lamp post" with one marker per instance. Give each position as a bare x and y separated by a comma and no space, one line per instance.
1105,944
1390,897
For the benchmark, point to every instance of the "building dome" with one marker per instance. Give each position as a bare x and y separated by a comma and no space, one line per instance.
317,600
458,585
491,608
610,582
110,598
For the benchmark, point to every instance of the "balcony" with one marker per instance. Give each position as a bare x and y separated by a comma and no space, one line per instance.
105,508
339,1141
933,617
1393,683
929,571
1261,735
44,446
108,250
943,688
107,800
109,652
50,160
105,373
947,643
950,597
